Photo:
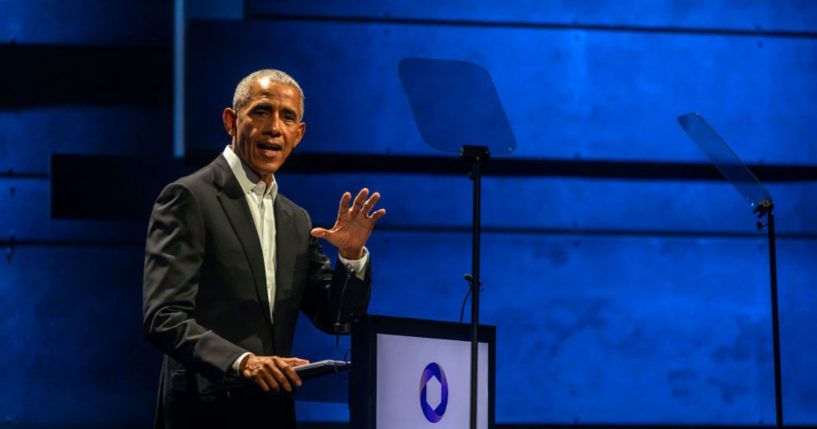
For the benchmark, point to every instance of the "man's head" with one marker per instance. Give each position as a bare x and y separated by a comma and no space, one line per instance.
265,122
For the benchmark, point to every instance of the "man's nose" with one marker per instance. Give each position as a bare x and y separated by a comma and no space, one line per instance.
275,126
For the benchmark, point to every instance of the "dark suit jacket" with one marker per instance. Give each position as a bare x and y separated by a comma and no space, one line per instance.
204,297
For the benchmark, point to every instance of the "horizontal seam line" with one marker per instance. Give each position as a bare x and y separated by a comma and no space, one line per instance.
23,175
461,230
534,25
602,232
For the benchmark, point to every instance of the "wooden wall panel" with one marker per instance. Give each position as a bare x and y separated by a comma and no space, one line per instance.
76,346
26,215
613,329
597,322
678,327
86,22
568,93
417,203
29,137
554,205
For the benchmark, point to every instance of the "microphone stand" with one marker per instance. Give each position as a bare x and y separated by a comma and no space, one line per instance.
475,155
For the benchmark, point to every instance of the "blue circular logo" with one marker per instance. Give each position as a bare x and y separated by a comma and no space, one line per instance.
434,374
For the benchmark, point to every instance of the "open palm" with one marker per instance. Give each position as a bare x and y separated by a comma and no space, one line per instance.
354,224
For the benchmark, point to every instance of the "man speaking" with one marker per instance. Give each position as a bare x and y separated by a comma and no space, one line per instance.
229,262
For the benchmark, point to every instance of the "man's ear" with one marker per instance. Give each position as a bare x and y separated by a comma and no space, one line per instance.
301,132
228,118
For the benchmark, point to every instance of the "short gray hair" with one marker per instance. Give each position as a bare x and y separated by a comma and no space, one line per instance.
242,90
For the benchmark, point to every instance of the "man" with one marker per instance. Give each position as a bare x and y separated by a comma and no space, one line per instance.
229,263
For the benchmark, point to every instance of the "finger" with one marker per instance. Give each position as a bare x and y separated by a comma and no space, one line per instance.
293,361
292,375
275,370
270,379
286,366
371,202
377,215
360,198
320,232
259,380
344,202
283,381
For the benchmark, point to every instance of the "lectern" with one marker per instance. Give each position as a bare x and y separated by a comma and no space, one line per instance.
414,374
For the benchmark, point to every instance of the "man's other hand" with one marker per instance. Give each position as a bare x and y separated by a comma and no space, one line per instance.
354,224
272,373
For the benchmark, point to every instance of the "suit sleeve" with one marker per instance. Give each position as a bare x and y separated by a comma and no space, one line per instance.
333,297
174,254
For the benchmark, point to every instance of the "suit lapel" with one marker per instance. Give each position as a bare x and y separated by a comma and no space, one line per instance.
234,203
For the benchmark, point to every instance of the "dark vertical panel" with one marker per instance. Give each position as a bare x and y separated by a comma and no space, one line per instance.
87,75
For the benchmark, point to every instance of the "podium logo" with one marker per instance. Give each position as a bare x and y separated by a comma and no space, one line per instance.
433,392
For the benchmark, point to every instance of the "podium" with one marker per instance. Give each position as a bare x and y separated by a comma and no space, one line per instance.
412,374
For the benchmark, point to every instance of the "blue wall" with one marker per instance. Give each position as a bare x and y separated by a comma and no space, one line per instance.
615,301
78,77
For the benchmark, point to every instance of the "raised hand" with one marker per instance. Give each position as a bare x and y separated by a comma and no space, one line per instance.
354,224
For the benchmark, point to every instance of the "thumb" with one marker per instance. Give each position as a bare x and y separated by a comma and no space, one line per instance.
319,232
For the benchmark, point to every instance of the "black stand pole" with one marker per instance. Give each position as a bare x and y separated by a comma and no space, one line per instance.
766,208
475,155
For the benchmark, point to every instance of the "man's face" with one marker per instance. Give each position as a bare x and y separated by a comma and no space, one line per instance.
267,127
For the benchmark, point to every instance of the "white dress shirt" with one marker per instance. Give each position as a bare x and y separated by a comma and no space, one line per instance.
260,199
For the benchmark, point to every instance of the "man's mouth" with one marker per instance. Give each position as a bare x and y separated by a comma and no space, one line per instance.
270,147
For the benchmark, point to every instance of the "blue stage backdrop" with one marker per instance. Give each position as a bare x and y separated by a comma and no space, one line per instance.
621,292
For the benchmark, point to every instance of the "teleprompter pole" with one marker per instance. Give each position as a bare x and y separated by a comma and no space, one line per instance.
766,208
476,155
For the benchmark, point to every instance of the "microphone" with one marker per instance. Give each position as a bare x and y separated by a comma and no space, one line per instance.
343,328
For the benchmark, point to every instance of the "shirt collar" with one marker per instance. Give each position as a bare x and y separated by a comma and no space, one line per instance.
249,180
